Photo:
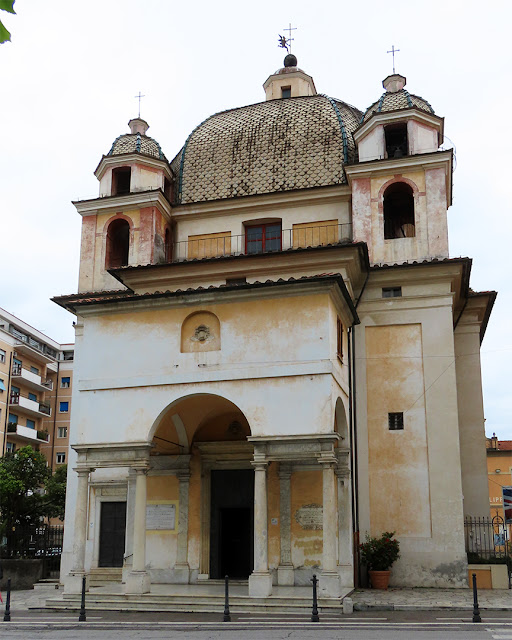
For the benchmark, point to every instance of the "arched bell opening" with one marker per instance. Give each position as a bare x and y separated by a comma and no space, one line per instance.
399,211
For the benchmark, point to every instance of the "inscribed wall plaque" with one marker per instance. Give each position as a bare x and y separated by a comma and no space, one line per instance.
310,516
161,516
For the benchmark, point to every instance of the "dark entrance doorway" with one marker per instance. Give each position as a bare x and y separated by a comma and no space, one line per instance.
231,523
112,534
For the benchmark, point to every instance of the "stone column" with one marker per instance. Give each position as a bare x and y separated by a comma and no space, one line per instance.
329,578
181,568
137,581
260,581
345,533
285,575
74,580
130,519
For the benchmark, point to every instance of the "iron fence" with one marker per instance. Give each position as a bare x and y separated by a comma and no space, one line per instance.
487,538
43,542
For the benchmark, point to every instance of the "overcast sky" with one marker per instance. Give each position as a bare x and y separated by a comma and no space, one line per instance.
69,77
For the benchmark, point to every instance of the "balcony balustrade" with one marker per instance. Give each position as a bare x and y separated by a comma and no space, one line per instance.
23,376
29,407
301,236
27,433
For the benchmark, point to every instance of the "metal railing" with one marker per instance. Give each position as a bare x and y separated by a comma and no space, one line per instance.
42,406
17,370
44,542
486,538
220,245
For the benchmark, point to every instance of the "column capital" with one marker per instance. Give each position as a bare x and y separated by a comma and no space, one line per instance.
83,471
183,476
140,470
260,465
328,461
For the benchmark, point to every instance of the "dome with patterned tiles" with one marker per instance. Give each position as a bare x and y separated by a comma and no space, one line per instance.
137,141
277,145
396,98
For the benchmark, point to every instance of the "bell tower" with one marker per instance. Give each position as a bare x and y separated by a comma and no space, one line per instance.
130,222
402,182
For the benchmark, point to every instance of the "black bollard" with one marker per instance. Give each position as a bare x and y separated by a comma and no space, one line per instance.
7,614
314,612
476,610
82,617
227,615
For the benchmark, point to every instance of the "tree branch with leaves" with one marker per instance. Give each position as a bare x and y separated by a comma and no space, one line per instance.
6,5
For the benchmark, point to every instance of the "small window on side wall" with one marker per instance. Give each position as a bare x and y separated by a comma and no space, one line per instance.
61,458
391,292
399,212
286,92
339,339
396,421
121,178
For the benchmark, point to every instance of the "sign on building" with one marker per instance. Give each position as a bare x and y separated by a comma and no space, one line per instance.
507,504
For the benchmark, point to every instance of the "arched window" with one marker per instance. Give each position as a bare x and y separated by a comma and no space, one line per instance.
399,211
168,245
118,244
121,178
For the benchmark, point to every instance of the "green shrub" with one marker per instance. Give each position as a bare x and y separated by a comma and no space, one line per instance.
380,553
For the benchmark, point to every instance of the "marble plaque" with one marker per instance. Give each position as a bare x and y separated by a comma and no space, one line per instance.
161,517
310,516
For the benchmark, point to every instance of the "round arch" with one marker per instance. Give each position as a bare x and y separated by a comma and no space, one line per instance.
340,421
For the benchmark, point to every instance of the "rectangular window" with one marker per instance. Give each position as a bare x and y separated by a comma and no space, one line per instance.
395,421
263,238
62,432
15,391
2,355
61,458
10,447
65,382
339,339
64,407
31,424
34,370
396,140
32,396
13,419
2,385
391,292
286,92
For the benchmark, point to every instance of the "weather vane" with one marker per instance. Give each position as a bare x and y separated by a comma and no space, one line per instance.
286,42
393,51
140,96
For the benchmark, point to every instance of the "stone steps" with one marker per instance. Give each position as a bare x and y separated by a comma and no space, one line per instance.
103,575
194,603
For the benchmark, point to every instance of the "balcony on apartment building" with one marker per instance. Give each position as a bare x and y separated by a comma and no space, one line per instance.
26,434
262,238
29,407
29,379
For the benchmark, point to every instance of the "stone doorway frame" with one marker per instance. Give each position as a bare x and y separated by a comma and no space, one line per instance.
229,455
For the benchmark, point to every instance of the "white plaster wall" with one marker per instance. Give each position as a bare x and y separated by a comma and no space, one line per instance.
372,146
422,139
438,560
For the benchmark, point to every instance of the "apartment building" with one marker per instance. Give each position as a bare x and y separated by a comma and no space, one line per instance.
36,376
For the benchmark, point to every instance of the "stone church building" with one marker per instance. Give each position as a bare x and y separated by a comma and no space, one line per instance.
275,353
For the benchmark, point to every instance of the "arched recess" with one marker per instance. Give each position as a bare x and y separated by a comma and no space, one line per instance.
117,249
341,423
195,418
200,332
398,205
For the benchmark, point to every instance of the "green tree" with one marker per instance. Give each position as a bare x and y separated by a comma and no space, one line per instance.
5,5
22,476
55,498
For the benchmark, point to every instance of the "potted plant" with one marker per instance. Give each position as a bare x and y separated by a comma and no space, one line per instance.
379,553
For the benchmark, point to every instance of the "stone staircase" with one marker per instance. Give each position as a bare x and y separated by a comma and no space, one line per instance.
103,575
113,600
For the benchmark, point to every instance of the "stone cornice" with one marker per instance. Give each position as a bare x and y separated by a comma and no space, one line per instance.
131,158
372,168
134,200
402,115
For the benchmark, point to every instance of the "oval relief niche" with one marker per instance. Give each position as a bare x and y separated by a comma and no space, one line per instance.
200,332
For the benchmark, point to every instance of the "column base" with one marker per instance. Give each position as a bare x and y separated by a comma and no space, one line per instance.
137,582
260,584
73,582
181,573
329,585
346,574
285,575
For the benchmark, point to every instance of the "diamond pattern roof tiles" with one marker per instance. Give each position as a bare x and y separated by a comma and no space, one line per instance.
279,145
394,101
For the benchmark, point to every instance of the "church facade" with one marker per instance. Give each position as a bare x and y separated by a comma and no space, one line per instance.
275,354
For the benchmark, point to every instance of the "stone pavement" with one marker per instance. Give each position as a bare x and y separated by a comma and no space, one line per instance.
423,599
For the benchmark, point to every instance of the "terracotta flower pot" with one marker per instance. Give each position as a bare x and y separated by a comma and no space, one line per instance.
379,579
